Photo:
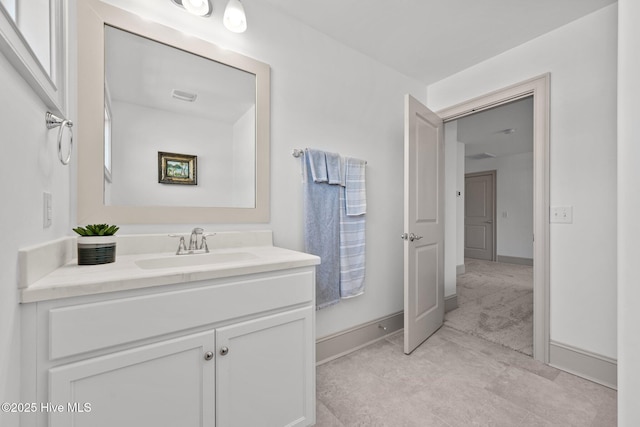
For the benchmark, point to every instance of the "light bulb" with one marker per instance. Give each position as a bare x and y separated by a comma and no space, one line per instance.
198,7
234,18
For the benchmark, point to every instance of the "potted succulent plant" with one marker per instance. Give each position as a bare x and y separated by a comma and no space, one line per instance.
96,244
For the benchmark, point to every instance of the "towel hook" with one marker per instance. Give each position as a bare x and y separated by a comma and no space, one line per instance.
53,121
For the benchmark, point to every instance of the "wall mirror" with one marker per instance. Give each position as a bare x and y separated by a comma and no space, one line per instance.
171,129
32,38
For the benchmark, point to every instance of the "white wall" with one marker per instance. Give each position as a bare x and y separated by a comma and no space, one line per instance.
514,195
244,160
327,96
581,58
628,213
31,166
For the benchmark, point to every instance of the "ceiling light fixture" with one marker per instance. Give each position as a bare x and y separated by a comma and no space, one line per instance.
183,95
481,156
197,7
234,17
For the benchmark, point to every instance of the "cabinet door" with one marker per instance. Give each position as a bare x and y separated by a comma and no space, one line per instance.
169,383
265,371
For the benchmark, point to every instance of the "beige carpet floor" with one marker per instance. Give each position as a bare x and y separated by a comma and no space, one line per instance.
495,302
455,380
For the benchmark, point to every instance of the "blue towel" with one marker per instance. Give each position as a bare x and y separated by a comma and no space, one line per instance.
353,206
317,165
322,227
334,168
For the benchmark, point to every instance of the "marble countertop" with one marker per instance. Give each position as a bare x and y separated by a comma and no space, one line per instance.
71,279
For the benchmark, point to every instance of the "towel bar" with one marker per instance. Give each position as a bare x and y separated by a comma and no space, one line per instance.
297,152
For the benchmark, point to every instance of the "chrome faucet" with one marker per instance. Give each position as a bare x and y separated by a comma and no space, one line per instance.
194,247
193,241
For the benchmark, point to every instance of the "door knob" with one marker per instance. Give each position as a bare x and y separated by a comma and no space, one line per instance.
411,237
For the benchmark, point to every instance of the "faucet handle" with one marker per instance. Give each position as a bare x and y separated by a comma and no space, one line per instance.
182,247
197,230
204,245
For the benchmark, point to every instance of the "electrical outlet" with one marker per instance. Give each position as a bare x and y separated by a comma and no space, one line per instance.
562,214
46,209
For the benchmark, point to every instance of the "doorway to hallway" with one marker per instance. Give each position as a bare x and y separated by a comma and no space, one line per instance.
495,299
537,89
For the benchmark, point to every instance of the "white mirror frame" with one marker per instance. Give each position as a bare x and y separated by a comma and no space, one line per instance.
92,17
50,88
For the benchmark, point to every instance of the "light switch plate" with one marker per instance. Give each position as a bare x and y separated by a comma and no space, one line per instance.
46,209
562,214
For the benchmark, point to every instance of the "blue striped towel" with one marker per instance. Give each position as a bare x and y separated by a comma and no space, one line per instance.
356,194
353,206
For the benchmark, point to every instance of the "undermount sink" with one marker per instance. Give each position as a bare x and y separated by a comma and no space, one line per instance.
193,260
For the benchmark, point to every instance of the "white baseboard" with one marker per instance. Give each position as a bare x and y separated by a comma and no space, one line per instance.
594,367
460,269
450,303
514,260
345,342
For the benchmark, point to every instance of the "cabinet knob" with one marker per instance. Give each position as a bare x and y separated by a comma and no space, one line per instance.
224,351
208,355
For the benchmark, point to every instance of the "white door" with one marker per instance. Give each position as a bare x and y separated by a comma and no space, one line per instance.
265,371
479,215
423,223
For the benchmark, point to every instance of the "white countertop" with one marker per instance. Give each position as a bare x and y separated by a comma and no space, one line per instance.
71,279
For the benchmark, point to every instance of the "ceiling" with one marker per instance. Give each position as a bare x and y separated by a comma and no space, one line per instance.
432,39
144,72
488,131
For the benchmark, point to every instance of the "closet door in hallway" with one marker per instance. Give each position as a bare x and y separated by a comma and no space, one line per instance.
479,212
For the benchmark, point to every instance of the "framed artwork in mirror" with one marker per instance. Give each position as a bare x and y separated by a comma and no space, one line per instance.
176,168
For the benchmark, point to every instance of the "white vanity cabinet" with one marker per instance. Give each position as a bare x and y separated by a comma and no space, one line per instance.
236,351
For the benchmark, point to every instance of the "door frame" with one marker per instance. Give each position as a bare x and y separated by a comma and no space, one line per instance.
538,87
494,202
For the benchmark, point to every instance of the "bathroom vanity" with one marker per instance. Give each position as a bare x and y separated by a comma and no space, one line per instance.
156,339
